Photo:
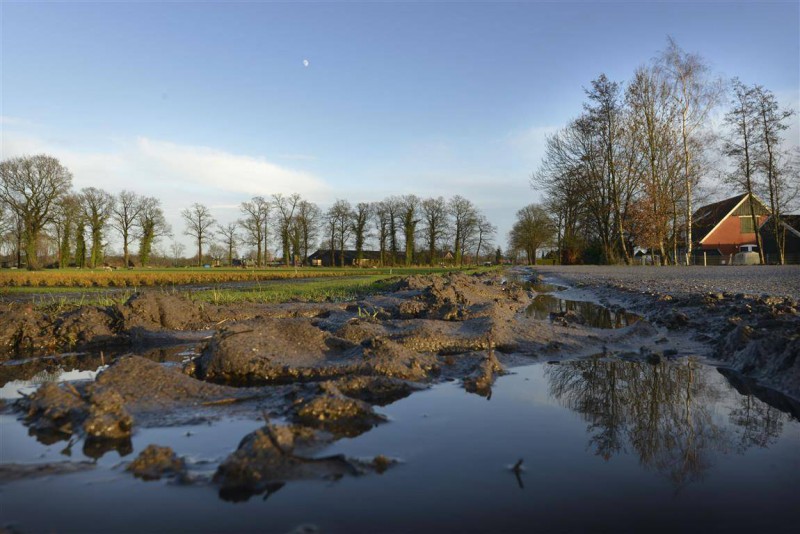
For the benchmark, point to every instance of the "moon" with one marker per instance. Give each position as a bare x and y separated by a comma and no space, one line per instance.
305,63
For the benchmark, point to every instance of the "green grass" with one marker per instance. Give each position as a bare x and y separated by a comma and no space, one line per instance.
334,289
347,284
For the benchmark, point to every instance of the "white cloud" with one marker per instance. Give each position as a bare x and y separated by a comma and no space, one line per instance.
216,169
149,165
177,174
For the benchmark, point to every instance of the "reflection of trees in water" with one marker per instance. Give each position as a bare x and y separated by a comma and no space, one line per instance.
43,377
759,424
665,412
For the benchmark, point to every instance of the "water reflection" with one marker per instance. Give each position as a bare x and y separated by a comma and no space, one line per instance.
667,414
542,287
587,313
30,373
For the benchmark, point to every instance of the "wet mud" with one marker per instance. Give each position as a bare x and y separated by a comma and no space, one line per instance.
320,372
757,336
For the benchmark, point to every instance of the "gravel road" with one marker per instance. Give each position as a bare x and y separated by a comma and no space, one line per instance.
774,280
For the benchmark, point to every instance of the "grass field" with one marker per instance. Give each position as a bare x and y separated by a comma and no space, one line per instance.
332,289
58,290
133,278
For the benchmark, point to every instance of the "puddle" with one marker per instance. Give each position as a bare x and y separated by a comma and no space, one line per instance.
26,375
542,287
15,389
582,312
676,442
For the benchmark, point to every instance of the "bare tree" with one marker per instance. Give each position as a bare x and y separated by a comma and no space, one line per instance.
361,216
652,118
410,220
341,215
434,215
230,238
462,214
256,225
96,206
393,208
485,230
606,114
695,95
199,221
177,251
125,219
80,241
153,225
30,186
532,230
741,146
307,221
382,216
774,162
65,221
285,207
560,178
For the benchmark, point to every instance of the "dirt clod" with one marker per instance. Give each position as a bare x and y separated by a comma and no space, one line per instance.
268,457
155,462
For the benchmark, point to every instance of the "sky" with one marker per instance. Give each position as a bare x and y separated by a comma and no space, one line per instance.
216,102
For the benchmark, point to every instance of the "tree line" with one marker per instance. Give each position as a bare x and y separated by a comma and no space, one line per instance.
625,172
405,230
39,211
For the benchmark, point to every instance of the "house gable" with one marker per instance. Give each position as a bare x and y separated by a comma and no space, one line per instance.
727,224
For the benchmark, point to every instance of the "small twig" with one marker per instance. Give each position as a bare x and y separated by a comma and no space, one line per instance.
518,470
517,466
228,400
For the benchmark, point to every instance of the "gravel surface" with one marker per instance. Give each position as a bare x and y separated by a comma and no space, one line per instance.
774,280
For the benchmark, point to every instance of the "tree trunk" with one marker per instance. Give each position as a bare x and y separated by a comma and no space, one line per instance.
32,236
688,180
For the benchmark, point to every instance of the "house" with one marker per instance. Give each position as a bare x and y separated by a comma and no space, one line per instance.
790,225
322,258
722,227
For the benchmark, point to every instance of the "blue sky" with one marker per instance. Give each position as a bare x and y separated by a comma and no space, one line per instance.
211,102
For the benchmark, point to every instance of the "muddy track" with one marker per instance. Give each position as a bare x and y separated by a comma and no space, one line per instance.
321,369
756,334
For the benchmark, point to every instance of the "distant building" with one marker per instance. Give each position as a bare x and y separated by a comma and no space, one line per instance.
790,225
722,227
322,258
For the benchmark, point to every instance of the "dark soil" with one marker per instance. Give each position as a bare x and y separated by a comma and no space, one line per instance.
323,367
756,335
270,457
156,462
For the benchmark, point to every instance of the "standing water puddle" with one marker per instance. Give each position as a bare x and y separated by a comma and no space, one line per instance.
605,444
18,377
587,313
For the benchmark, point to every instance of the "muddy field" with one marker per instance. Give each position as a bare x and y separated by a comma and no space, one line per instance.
746,317
309,377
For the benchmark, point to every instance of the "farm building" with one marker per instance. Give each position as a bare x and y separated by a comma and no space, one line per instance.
791,229
722,227
322,258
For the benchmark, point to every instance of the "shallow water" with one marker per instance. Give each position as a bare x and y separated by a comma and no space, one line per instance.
592,315
18,377
606,444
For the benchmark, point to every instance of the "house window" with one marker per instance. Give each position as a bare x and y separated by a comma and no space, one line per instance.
746,225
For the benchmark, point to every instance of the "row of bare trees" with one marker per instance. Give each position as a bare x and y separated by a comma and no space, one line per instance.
39,210
625,172
404,229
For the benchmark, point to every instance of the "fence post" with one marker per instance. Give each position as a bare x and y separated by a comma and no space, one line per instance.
705,261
